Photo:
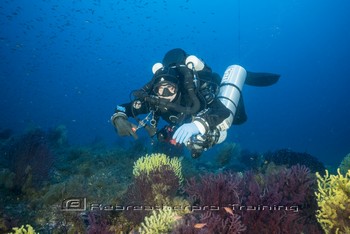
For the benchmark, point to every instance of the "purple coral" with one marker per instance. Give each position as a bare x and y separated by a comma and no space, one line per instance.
214,194
98,224
211,222
145,189
229,223
281,201
214,189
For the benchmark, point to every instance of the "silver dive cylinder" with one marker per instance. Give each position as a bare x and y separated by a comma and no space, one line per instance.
229,94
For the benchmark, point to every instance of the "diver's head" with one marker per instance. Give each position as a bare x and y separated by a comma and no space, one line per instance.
166,83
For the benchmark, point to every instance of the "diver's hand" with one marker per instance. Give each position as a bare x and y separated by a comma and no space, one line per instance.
123,126
140,94
183,133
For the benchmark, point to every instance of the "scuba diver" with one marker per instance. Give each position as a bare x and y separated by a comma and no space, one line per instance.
197,104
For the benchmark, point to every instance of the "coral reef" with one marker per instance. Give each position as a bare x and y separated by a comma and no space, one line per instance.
31,159
333,198
160,221
149,190
156,181
154,162
214,189
279,201
231,223
289,158
210,222
269,198
212,196
98,223
100,176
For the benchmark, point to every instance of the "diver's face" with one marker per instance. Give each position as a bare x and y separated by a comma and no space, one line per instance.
166,91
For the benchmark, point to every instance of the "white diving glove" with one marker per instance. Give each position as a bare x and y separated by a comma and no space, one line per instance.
184,133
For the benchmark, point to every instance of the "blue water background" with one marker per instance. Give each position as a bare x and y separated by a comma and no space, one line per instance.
72,62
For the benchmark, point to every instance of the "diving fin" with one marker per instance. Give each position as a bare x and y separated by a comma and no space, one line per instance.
173,57
261,79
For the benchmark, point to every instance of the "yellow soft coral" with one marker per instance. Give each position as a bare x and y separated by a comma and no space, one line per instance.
154,162
333,198
22,230
161,221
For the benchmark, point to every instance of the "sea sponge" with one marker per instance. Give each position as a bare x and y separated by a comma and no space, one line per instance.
153,162
333,198
161,221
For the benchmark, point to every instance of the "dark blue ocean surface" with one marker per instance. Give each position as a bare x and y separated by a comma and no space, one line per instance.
71,62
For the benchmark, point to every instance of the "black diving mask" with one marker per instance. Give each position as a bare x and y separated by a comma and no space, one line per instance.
165,89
